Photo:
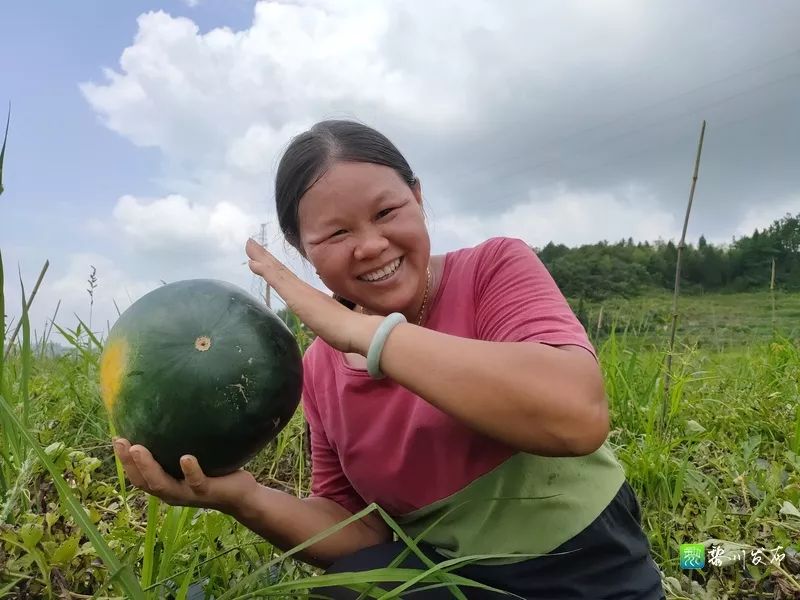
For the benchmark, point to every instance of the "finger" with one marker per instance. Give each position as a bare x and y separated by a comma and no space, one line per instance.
263,263
193,475
296,293
256,251
122,450
156,479
259,256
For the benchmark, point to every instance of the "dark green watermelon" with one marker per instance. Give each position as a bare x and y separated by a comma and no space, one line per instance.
200,367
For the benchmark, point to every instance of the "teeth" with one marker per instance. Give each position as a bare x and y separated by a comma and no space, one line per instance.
380,273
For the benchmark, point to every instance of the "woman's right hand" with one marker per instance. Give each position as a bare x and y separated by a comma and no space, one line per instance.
223,493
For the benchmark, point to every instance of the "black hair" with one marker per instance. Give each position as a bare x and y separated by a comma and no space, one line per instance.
311,153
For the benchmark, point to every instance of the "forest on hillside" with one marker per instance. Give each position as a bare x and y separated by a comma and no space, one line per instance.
627,268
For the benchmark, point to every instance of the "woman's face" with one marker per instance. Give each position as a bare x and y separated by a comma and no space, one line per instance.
356,222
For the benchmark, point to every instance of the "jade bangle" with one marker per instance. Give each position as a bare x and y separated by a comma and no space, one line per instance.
378,341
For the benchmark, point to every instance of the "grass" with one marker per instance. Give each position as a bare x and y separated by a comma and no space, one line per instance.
725,470
716,322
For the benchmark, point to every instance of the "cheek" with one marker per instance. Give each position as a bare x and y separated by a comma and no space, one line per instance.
410,228
330,263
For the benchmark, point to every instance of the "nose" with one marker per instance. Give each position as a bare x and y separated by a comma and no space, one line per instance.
370,245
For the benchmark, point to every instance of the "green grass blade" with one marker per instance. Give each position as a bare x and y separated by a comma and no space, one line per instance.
10,446
447,565
3,149
184,589
411,546
796,440
252,577
7,589
26,358
2,323
171,536
360,579
127,581
75,342
89,332
150,541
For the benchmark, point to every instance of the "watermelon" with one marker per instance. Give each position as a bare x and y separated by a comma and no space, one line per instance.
200,367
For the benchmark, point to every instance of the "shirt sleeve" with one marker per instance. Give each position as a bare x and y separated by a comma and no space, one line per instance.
328,480
518,300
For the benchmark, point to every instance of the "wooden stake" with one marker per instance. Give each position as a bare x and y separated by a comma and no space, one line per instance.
772,293
681,245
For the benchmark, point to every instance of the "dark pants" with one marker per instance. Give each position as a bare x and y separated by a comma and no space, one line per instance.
609,560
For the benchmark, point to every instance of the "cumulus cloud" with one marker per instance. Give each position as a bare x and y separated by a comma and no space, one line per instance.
563,121
174,223
488,100
571,217
65,295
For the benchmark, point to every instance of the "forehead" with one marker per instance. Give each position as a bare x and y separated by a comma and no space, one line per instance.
346,187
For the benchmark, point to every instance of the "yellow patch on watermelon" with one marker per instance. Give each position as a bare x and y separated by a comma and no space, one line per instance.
112,370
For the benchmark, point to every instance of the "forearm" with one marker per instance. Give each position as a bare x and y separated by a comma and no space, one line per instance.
287,521
537,398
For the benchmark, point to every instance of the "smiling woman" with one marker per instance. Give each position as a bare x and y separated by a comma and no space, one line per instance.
458,392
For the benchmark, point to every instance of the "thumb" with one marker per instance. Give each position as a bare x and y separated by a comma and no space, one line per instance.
193,474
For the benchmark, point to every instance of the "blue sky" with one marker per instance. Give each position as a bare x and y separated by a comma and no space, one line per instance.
144,135
62,163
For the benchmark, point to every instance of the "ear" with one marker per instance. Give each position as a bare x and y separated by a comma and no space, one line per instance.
416,188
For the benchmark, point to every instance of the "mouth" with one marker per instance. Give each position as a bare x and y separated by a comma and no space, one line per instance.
384,273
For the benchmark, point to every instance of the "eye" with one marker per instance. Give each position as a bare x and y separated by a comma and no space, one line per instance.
385,212
334,234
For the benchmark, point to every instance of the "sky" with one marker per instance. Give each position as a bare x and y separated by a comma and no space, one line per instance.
144,135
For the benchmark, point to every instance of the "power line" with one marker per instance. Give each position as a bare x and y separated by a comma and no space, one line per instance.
605,142
641,150
470,170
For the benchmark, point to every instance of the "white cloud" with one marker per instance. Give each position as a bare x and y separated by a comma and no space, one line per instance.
173,222
112,285
760,217
64,293
497,90
567,216
197,96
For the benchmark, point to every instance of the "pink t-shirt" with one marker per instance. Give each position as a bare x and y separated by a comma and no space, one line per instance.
376,441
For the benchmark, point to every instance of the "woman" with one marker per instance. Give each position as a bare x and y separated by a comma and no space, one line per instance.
458,392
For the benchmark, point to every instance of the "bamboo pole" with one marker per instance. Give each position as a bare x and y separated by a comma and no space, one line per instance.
681,245
599,321
772,293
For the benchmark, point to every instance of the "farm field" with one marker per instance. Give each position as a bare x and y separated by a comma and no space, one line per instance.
724,469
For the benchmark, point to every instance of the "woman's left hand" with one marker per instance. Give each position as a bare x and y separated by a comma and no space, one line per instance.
339,326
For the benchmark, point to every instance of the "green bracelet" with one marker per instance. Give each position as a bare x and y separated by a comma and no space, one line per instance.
378,341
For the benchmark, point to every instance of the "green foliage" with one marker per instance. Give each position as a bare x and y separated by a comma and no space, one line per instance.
624,269
728,468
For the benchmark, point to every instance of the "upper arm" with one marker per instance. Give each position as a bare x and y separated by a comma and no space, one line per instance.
517,299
